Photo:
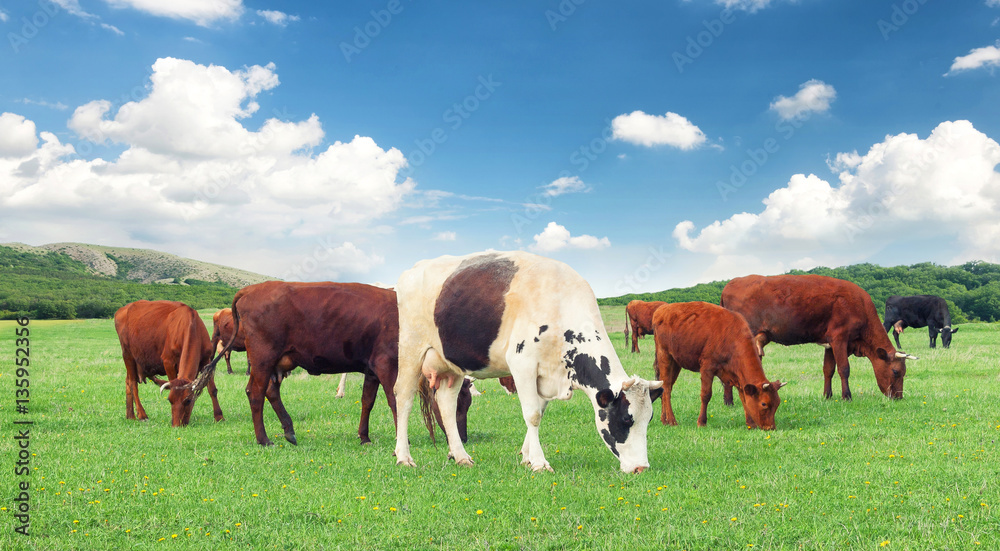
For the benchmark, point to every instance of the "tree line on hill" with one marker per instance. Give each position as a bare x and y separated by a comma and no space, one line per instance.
56,286
972,290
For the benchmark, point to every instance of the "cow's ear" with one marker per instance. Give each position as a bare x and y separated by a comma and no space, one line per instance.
655,393
605,397
750,390
883,355
954,329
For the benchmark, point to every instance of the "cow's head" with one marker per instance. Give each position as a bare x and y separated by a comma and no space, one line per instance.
760,402
890,368
946,333
181,400
622,418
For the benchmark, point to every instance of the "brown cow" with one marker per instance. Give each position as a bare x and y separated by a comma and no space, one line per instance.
640,315
709,339
837,314
324,328
222,333
164,338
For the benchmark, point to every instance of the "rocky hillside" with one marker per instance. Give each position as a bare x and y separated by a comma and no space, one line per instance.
145,265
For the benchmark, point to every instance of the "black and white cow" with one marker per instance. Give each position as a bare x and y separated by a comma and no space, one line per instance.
919,311
493,314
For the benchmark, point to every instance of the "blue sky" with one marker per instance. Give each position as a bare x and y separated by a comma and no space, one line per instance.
647,144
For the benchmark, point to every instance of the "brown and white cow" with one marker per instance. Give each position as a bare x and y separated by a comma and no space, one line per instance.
837,314
640,316
164,338
222,333
323,328
716,342
513,313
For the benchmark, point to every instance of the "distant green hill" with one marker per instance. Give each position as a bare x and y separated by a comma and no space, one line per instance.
53,284
972,290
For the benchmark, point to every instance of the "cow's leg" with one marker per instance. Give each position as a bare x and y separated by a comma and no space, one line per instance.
229,366
829,366
760,340
667,370
411,363
727,394
256,389
340,387
447,402
525,373
843,367
369,391
635,339
132,389
897,330
214,393
274,397
933,335
706,394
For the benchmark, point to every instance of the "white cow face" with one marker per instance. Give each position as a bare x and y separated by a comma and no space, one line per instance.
622,419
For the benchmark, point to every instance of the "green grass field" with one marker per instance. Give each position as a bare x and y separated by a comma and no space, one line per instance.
920,473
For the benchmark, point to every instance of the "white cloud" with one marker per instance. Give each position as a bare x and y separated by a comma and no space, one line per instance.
993,3
42,103
670,129
4,16
566,184
814,96
113,29
72,7
987,56
445,236
745,5
943,186
17,136
201,12
279,18
191,175
555,237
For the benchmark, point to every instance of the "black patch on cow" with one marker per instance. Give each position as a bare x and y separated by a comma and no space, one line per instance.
585,370
536,339
619,421
470,308
543,329
570,336
520,347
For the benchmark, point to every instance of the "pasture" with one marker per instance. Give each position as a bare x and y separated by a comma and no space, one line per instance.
919,473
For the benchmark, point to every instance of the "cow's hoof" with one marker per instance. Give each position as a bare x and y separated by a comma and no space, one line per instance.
220,419
407,462
542,467
265,443
365,441
291,438
465,462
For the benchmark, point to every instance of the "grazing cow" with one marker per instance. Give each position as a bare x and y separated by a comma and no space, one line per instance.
164,338
640,315
513,313
706,338
222,333
324,328
919,311
837,314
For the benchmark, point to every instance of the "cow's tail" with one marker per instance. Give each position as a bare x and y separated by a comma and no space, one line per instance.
426,403
206,373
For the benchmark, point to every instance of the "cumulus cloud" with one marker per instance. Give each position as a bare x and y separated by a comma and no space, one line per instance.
814,96
670,129
566,184
4,16
445,236
993,3
72,7
192,176
200,12
278,18
555,238
944,186
745,5
987,56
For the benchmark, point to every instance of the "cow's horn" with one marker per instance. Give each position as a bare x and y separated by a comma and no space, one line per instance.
165,385
765,386
628,384
906,356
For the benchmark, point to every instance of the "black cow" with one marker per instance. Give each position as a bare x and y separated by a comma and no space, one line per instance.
919,311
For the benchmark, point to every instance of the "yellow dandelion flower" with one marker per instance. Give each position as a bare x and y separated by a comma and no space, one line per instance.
479,511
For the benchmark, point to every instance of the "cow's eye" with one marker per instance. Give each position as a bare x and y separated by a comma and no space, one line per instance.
628,420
